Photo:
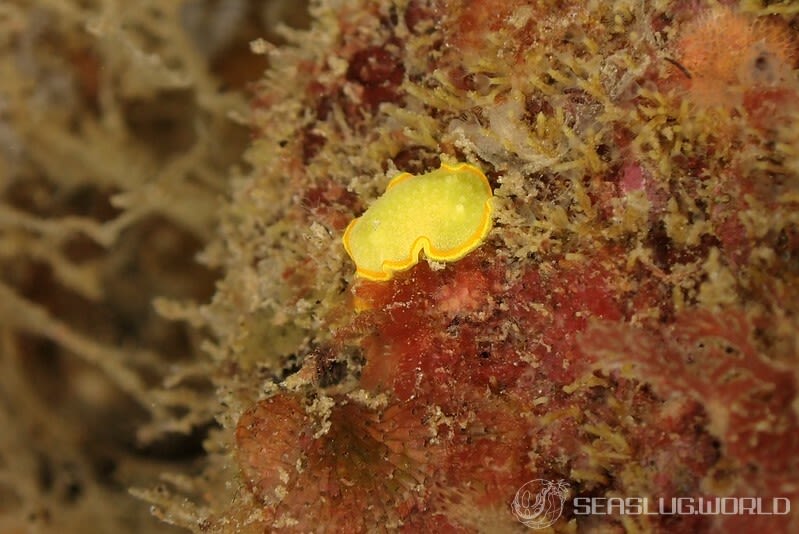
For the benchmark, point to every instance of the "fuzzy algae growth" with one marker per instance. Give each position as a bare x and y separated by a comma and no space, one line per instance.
446,213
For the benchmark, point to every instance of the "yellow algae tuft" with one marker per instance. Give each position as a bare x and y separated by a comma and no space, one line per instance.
446,213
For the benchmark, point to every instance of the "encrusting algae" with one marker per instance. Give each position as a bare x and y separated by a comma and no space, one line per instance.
616,313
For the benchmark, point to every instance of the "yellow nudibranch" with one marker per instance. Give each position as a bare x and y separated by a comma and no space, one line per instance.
446,212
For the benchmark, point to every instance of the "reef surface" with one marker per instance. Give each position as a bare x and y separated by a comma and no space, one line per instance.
629,324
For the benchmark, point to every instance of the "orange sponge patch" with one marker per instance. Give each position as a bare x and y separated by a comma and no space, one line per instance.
727,53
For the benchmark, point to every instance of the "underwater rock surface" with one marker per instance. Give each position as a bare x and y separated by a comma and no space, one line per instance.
629,324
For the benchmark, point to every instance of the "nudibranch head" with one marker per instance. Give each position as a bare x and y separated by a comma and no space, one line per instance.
446,212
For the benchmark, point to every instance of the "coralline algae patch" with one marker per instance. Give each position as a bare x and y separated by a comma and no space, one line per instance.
430,320
463,400
710,359
353,467
445,213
